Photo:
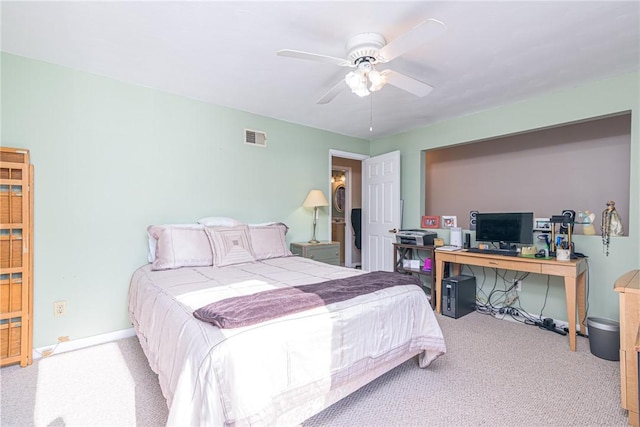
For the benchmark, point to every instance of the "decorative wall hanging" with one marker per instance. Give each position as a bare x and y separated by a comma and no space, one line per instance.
611,225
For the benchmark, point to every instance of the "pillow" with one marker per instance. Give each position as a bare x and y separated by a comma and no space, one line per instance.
219,221
230,245
180,246
153,240
268,241
286,227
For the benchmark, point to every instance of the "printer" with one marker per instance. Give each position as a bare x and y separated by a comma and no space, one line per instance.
416,237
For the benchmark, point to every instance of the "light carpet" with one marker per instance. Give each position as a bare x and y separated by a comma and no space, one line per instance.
495,373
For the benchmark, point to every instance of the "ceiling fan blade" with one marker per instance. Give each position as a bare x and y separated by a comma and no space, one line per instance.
407,83
314,57
332,93
419,35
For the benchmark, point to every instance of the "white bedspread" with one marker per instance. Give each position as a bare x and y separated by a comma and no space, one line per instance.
281,371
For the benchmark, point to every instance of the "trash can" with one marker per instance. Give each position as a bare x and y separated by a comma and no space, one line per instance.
604,338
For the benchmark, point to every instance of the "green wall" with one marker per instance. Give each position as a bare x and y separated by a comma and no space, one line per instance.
112,158
596,99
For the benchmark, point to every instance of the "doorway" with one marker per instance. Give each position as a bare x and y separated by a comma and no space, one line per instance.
349,166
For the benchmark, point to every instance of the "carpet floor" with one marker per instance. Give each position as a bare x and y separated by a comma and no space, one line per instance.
495,373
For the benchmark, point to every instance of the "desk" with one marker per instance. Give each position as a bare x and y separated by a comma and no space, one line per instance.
573,272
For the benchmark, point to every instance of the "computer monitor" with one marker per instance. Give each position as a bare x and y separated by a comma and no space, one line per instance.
505,227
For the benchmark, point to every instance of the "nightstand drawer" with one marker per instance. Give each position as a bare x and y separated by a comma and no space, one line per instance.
327,252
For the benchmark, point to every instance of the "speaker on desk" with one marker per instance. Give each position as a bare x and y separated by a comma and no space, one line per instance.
467,241
458,295
472,220
569,216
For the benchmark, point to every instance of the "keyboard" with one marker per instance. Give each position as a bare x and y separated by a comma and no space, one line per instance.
448,248
505,252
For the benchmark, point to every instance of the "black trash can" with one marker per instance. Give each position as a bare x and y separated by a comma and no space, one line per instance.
604,338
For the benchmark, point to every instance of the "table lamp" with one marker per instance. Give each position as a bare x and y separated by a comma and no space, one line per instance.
315,199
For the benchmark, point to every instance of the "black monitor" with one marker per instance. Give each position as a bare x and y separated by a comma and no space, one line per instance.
505,227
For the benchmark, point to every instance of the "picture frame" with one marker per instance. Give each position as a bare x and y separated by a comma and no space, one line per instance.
430,221
449,221
541,224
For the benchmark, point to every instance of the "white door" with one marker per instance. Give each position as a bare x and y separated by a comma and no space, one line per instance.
381,210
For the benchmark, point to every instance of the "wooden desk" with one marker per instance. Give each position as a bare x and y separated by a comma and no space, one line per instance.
573,272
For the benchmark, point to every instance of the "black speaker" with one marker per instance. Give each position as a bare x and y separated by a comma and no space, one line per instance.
472,220
458,295
467,240
570,217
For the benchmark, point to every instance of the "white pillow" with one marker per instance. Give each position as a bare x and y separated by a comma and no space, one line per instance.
230,245
153,241
268,241
286,227
219,221
180,246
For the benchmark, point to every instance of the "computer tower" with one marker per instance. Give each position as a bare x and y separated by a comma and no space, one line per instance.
458,295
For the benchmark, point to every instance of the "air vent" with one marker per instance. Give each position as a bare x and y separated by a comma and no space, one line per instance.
254,137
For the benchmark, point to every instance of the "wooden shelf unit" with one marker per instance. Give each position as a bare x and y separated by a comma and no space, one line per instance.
628,287
16,257
405,252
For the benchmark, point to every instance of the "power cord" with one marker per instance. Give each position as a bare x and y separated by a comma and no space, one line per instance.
519,314
49,352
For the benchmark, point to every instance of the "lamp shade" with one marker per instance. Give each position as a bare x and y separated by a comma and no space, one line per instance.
315,198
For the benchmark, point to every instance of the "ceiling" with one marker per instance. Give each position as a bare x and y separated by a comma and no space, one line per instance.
224,53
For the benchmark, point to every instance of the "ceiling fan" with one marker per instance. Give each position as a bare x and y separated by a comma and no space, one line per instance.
365,51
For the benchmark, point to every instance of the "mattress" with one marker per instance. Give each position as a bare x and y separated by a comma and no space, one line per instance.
281,371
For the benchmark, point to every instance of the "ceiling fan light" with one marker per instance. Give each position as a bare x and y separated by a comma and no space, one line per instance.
352,79
357,82
363,91
377,80
375,76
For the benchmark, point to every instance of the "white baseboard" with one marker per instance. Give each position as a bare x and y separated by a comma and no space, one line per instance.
71,345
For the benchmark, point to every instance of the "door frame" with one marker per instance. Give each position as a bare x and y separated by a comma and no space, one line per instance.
348,258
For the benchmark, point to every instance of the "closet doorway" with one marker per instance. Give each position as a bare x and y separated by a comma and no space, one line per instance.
346,195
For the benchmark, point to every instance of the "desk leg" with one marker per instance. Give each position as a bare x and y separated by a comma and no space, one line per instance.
582,302
438,285
570,292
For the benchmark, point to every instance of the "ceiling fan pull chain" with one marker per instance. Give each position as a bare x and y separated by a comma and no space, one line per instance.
371,113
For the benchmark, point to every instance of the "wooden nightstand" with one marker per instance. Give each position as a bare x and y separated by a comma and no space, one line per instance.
628,286
327,252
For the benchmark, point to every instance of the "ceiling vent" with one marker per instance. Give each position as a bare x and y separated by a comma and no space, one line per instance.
254,137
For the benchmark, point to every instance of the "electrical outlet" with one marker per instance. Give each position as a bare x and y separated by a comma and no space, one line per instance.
59,308
518,285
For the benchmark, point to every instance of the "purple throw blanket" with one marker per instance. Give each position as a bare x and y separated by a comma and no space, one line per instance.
247,310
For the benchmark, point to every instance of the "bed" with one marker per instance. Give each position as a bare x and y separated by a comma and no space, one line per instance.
279,371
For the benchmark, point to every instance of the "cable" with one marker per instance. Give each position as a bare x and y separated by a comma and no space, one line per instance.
484,279
546,294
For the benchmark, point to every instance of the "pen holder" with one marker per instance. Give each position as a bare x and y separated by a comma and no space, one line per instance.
563,254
